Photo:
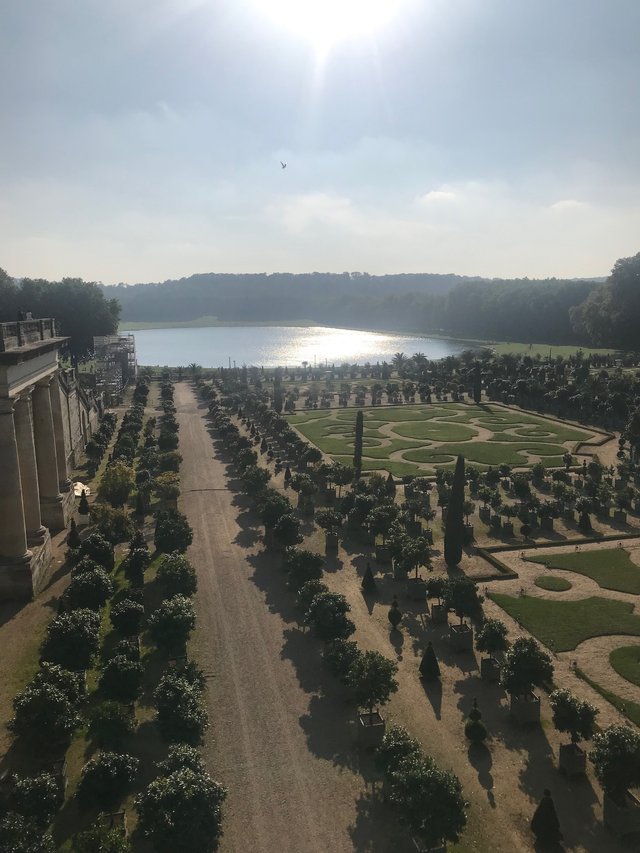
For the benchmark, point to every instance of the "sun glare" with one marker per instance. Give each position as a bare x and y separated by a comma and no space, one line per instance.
325,22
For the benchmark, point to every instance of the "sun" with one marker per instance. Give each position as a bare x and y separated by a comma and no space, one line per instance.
325,22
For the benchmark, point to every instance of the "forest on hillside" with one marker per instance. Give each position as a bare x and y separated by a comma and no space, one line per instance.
523,310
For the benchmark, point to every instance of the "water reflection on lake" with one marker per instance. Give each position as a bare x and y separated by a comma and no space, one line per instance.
272,346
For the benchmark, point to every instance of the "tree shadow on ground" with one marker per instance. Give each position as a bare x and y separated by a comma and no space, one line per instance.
396,638
480,759
330,728
433,691
375,829
247,538
332,564
269,578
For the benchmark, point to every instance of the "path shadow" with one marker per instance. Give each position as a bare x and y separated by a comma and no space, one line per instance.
375,829
480,759
330,728
396,638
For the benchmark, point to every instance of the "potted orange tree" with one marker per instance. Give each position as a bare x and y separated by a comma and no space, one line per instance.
525,666
578,718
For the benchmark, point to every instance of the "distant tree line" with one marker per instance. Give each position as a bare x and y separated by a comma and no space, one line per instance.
80,308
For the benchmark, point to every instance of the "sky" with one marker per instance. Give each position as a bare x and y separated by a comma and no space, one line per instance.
141,140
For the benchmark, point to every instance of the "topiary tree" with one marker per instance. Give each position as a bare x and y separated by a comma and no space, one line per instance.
122,679
368,584
73,537
101,839
69,683
173,532
572,715
126,617
91,590
371,677
176,575
329,520
72,640
171,624
474,729
397,744
135,564
286,532
182,812
115,525
302,566
106,779
327,614
83,504
357,445
109,724
492,637
36,798
544,823
429,666
454,525
395,614
116,483
616,761
308,592
429,800
272,507
525,666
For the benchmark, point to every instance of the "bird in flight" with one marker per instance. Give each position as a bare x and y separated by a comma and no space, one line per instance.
284,165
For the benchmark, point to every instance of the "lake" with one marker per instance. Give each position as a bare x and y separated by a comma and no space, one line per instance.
279,346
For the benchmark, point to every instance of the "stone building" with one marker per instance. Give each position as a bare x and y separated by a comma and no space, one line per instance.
45,421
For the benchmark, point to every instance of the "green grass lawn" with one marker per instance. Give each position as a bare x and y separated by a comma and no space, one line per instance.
423,436
611,568
626,662
552,584
563,625
631,710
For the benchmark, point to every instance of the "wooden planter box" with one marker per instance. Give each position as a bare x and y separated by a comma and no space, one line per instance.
569,514
573,760
428,535
496,522
526,710
329,496
461,638
546,523
621,820
620,516
490,669
485,514
468,534
331,543
82,520
439,615
507,528
416,589
421,848
371,728
382,555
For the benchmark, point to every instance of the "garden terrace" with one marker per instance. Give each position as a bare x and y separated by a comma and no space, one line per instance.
414,439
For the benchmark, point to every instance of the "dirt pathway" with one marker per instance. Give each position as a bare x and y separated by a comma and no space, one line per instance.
280,738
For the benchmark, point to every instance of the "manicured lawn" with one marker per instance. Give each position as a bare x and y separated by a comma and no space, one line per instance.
630,709
552,584
611,568
563,625
414,439
626,662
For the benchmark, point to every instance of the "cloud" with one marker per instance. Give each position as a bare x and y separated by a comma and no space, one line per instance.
436,197
568,205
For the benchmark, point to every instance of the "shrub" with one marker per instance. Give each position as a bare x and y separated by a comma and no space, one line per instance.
525,666
106,779
340,656
181,757
101,839
167,441
126,616
122,679
20,835
115,525
72,639
69,683
572,715
474,729
308,592
166,486
99,549
91,590
86,564
397,744
492,637
327,614
371,677
181,717
43,715
135,564
182,812
116,484
128,648
176,575
169,461
171,624
36,798
302,566
109,724
616,760
173,532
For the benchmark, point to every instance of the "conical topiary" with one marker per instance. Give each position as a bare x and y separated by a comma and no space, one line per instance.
474,728
73,537
139,505
544,823
390,485
287,474
369,582
454,525
429,666
395,614
83,506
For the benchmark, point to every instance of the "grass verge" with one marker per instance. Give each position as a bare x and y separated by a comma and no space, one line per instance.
631,710
611,568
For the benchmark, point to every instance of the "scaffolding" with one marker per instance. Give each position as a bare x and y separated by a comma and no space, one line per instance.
115,365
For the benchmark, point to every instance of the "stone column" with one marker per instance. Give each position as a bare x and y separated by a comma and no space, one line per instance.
28,469
45,441
64,482
13,534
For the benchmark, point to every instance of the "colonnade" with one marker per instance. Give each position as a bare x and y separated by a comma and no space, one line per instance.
33,469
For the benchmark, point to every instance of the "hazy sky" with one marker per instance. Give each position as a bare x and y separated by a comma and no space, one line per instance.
140,139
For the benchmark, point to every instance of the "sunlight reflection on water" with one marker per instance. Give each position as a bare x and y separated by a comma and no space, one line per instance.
272,346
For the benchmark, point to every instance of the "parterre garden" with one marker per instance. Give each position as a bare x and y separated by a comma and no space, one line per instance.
413,439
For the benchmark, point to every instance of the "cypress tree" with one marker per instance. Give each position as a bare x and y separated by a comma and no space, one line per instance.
454,527
357,445
477,383
429,666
